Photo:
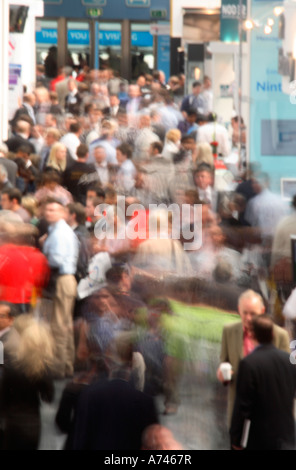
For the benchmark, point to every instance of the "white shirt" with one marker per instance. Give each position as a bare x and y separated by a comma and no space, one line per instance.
208,97
215,132
265,211
103,172
126,176
142,144
205,194
72,142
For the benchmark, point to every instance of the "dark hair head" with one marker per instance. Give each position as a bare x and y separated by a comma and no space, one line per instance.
157,146
212,117
114,274
25,149
203,167
262,328
202,118
13,193
98,190
126,150
180,156
82,151
238,119
75,127
192,112
50,176
187,138
79,210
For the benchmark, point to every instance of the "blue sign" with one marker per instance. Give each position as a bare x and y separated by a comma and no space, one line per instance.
82,38
94,3
114,10
137,3
272,113
53,2
164,55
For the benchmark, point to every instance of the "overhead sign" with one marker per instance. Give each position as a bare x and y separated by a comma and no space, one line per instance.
231,14
159,14
94,3
94,12
137,3
82,38
231,9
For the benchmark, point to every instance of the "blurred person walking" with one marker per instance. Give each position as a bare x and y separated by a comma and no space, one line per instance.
26,381
237,340
112,414
61,247
266,386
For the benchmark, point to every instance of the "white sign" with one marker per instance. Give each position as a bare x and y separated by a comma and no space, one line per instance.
160,29
177,7
233,11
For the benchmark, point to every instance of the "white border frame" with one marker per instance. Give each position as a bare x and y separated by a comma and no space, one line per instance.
283,180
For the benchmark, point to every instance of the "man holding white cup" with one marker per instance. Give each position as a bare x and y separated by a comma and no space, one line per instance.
237,341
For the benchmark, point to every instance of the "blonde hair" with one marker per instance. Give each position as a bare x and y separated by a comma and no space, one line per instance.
54,132
173,135
31,348
204,154
52,160
30,204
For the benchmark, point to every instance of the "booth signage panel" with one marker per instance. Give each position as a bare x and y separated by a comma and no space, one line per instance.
114,10
272,110
82,38
230,16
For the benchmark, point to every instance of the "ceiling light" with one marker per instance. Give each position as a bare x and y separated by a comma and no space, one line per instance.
278,11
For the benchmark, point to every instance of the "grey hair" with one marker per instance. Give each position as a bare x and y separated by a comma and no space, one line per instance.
250,294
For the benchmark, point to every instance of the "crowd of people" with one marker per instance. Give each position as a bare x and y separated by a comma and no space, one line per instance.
83,300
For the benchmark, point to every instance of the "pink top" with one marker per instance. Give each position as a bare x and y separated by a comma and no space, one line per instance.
248,343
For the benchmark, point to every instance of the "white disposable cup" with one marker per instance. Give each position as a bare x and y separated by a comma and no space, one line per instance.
226,371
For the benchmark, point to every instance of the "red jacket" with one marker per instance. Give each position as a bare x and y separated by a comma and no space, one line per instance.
24,271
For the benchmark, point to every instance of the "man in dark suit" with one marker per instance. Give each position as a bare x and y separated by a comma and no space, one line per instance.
73,100
9,165
237,341
263,416
6,322
203,179
194,100
27,109
112,414
22,136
